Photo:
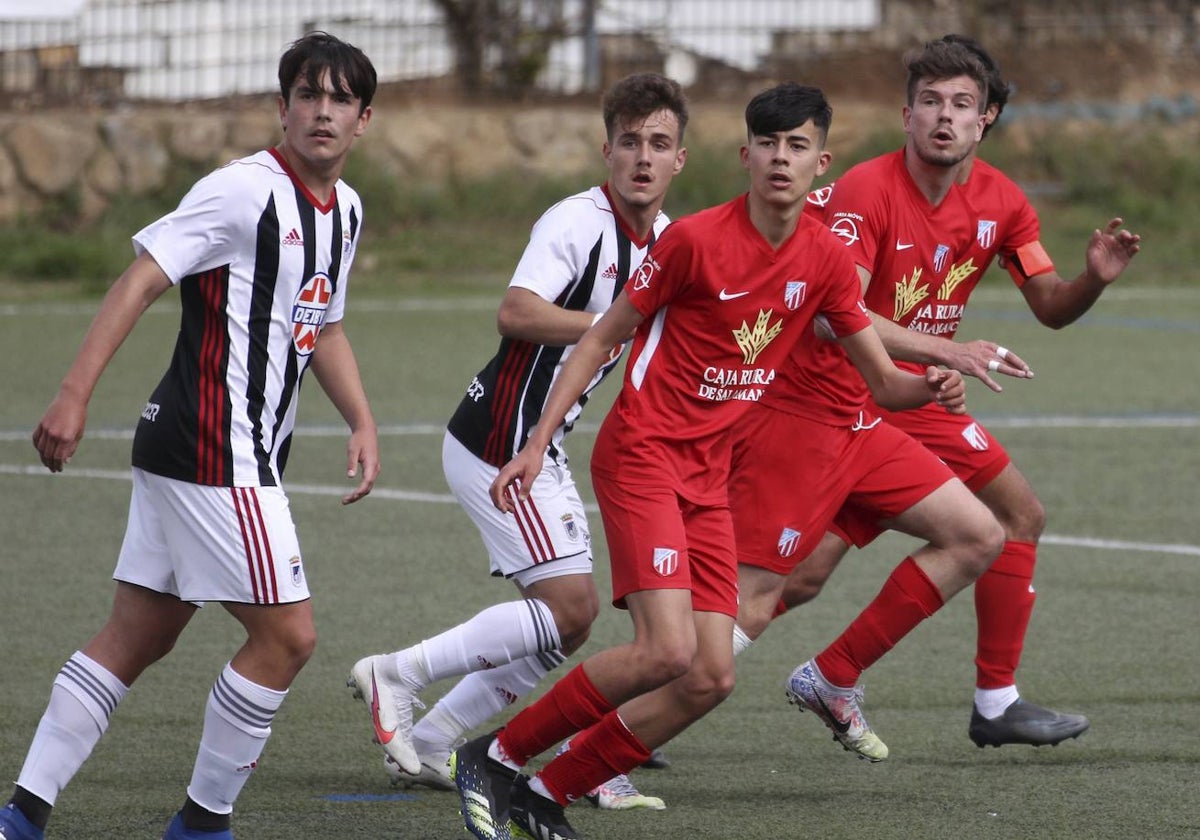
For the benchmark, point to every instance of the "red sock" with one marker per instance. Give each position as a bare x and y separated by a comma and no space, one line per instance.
1003,603
596,755
572,704
907,598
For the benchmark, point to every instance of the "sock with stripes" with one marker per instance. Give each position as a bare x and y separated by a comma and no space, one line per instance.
237,723
496,636
83,697
477,698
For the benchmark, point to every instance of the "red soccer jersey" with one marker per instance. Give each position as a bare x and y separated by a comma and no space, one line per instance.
1007,225
723,310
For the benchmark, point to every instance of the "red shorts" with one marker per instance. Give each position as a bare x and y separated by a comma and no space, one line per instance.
659,540
958,440
791,476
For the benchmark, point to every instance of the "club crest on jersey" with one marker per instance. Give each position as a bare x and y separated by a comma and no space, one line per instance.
308,312
297,571
793,293
939,257
789,541
347,241
985,234
666,561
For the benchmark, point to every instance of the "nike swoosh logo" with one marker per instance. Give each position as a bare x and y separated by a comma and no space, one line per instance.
900,246
384,736
731,295
841,726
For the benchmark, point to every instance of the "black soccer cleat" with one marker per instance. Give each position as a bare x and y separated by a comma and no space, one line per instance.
534,817
483,788
1025,723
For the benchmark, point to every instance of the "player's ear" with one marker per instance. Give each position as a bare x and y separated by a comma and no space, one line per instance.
680,160
824,159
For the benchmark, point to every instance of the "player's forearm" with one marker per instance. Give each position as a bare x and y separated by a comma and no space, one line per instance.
911,346
901,391
1062,303
336,368
527,317
572,380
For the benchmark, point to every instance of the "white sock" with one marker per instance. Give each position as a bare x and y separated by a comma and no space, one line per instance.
477,698
82,699
237,723
494,637
740,640
991,702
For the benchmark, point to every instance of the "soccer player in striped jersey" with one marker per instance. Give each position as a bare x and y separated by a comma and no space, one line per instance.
260,251
579,256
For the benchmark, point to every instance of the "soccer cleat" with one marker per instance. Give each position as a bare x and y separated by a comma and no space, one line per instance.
14,825
620,794
534,817
1025,723
657,761
838,708
483,788
391,704
176,830
435,773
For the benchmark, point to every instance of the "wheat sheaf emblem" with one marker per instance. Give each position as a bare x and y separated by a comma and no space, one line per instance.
753,341
954,277
909,294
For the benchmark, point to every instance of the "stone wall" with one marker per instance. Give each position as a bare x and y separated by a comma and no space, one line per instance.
90,157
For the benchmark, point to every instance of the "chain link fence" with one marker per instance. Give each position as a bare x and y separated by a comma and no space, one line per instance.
106,51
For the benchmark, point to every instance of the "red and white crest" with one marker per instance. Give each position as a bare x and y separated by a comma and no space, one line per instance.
308,313
666,561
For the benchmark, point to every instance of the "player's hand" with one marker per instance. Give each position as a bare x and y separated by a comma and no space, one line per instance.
515,478
948,388
61,428
362,450
982,358
1109,251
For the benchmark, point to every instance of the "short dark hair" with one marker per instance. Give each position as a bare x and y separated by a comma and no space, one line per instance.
787,106
640,95
944,59
349,68
998,87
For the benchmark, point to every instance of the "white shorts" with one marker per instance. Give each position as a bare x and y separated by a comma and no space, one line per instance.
547,537
203,543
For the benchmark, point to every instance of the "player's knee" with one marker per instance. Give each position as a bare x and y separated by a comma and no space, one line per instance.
573,617
667,661
296,645
984,544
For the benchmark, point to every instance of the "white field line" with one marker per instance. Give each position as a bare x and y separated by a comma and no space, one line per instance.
393,494
1032,421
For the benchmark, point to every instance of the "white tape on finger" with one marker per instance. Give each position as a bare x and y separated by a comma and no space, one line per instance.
994,365
1002,352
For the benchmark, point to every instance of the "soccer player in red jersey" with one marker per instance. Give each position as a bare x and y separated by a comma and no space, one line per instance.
717,306
923,225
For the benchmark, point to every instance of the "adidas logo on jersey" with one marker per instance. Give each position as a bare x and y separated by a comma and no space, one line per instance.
610,273
293,238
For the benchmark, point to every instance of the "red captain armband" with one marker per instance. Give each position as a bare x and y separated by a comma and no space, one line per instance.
1028,261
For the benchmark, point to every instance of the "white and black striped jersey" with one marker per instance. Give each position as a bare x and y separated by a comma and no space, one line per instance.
579,256
261,267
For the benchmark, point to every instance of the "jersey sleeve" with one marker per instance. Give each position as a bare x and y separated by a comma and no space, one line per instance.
856,212
666,270
843,310
1021,251
196,235
551,260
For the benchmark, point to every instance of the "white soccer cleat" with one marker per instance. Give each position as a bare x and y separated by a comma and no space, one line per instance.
435,773
838,708
390,703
